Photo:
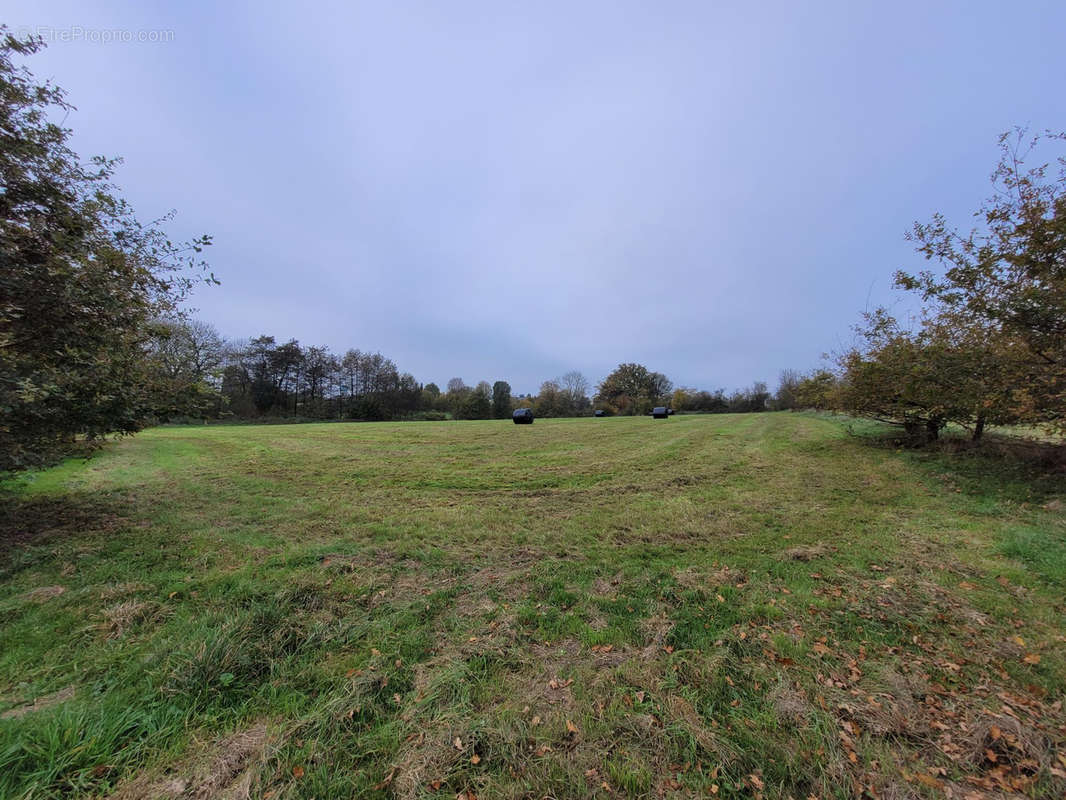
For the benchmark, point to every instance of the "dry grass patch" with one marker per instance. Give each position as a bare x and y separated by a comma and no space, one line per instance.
42,594
119,618
226,769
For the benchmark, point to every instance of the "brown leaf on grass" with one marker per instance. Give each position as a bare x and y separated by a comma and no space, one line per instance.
571,727
386,781
458,743
297,771
640,696
929,781
756,781
475,759
1032,658
536,720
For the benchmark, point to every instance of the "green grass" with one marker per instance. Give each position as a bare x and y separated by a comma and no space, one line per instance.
737,605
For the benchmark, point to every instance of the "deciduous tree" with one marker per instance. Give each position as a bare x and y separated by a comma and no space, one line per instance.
81,279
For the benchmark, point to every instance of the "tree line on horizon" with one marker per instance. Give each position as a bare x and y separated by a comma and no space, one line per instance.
201,376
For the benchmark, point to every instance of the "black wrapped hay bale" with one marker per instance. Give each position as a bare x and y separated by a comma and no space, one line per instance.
523,416
660,412
600,412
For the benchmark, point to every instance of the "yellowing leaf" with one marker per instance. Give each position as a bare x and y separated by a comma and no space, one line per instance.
929,781
475,759
571,727
1032,658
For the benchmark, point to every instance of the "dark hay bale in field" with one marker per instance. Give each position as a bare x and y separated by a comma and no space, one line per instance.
523,416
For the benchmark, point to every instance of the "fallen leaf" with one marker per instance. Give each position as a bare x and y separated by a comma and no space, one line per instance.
1032,658
458,743
571,727
535,720
756,781
387,781
297,771
475,759
929,781
640,696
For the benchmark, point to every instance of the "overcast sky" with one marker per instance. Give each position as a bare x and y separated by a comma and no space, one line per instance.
510,191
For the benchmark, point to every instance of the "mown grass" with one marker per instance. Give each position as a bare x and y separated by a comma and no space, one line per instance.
723,605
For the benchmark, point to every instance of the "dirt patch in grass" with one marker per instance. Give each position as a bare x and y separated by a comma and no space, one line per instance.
226,769
30,521
607,587
808,552
705,580
40,704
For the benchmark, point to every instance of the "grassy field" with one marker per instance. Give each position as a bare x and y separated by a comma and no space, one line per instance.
730,606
